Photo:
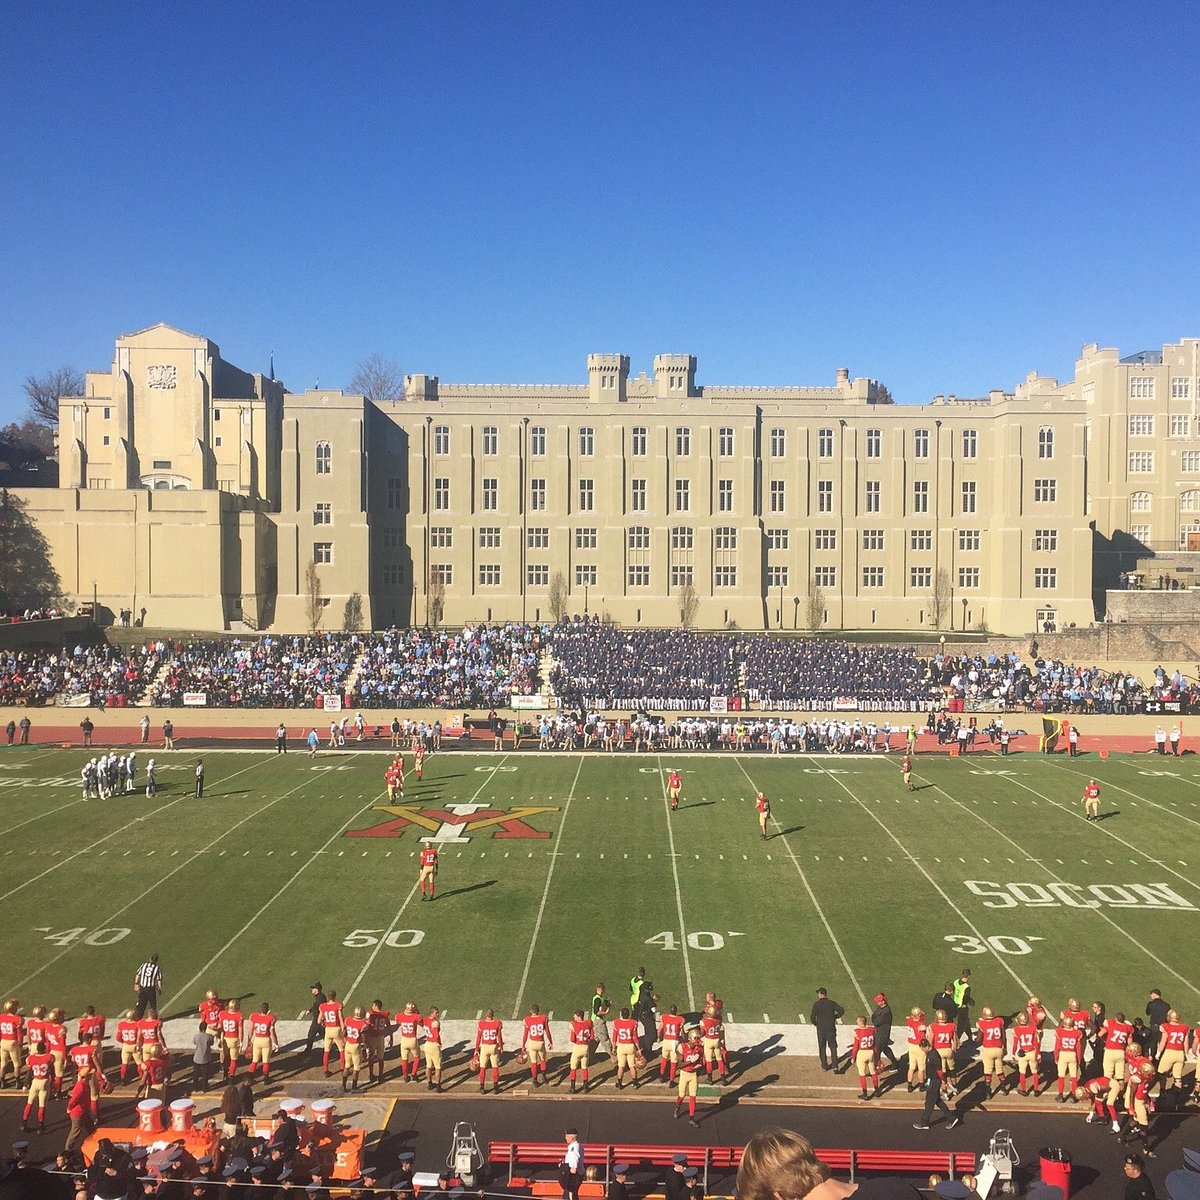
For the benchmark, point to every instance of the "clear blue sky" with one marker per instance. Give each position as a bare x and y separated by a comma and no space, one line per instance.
488,192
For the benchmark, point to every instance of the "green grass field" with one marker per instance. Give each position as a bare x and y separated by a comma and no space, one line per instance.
259,889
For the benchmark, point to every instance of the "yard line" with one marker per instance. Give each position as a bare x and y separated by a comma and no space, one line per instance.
933,882
537,925
38,816
683,942
1136,795
862,995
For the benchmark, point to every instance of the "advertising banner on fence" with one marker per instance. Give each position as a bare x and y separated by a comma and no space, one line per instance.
82,700
718,704
331,703
517,700
195,699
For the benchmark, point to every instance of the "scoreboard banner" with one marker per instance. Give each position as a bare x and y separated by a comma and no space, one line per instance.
1180,707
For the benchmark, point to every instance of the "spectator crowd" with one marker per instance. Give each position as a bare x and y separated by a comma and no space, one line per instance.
107,675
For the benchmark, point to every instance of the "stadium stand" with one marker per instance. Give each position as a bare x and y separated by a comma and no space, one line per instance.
108,675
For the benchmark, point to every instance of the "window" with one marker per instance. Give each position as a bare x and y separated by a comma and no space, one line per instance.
872,539
824,443
1189,460
920,539
537,441
1045,539
778,443
725,577
1045,442
683,441
1140,533
491,440
537,495
537,537
682,576
1045,578
970,443
969,539
587,442
322,552
874,497
778,496
724,538
216,414
921,496
825,577
441,494
108,414
1181,388
164,464
441,439
682,537
920,443
1141,387
585,576
874,443
725,495
489,537
825,495
537,575
725,442
920,577
216,440
324,459
491,495
777,539
1141,462
587,495
777,577
824,539
637,495
683,495
1188,535
1139,502
323,513
1141,424
585,539
1045,491
441,536
638,537
489,574
392,538
392,575
872,577
1181,424
442,573
637,575
970,496
396,497
637,441
968,577
1189,501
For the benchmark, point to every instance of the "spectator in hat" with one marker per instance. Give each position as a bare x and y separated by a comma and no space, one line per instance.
1137,1182
571,1168
618,1186
676,1184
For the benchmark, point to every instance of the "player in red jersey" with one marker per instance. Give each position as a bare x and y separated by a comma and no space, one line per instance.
232,1022
87,1054
918,1031
943,1039
1103,1093
40,1066
691,1055
713,1001
625,1044
398,766
91,1024
354,1030
1026,1046
489,1046
429,870
670,1030
991,1048
583,1034
149,1035
535,1041
262,1040
431,1047
906,771
1073,1013
862,1054
209,1010
54,1034
329,1017
1068,1054
763,807
127,1043
674,787
12,1027
35,1027
408,1025
712,1035
419,762
156,1070
391,777
1091,801
1137,1104
1037,1011
1117,1034
1172,1049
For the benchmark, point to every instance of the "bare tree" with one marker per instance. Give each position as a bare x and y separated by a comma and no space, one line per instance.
43,392
378,379
437,599
557,598
352,616
814,608
939,598
314,601
689,603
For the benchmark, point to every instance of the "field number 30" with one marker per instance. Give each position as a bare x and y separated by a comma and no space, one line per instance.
1000,943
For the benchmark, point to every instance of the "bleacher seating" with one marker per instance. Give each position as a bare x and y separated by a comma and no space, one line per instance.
107,675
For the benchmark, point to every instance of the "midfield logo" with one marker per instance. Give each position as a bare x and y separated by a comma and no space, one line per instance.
455,824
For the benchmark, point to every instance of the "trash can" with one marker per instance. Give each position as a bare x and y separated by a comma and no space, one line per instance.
1056,1168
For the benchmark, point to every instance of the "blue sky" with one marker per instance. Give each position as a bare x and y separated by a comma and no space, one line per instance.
943,197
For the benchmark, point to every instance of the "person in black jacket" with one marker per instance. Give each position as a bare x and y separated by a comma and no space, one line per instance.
315,1032
825,1015
881,1018
935,1077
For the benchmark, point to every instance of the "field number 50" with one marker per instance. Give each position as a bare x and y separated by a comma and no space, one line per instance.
1001,943
398,939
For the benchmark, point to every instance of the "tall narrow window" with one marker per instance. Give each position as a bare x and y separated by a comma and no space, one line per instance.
324,458
441,439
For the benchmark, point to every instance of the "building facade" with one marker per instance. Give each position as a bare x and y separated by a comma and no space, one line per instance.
201,493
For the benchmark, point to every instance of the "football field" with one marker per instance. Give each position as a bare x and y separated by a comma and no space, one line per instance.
559,870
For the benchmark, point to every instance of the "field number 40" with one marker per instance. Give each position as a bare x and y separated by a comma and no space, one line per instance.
962,943
698,939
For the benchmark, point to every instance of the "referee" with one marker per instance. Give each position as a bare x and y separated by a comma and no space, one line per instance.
147,982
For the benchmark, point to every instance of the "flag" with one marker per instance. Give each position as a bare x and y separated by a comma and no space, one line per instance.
272,366
1052,729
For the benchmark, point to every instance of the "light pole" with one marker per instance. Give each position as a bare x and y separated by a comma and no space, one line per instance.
795,612
781,606
585,602
965,602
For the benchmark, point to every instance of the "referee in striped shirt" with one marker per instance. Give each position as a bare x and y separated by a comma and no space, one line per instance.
147,982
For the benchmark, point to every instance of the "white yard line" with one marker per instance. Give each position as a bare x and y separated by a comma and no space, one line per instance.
683,942
537,925
49,812
1137,795
933,883
862,995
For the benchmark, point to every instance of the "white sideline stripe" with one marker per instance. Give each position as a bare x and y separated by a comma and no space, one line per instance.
158,883
537,925
683,942
312,858
1059,879
38,816
1137,795
934,883
862,995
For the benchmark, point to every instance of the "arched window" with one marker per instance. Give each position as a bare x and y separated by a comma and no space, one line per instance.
1189,501
324,458
1139,502
1045,442
639,537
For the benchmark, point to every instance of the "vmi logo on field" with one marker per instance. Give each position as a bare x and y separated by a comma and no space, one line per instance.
455,823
